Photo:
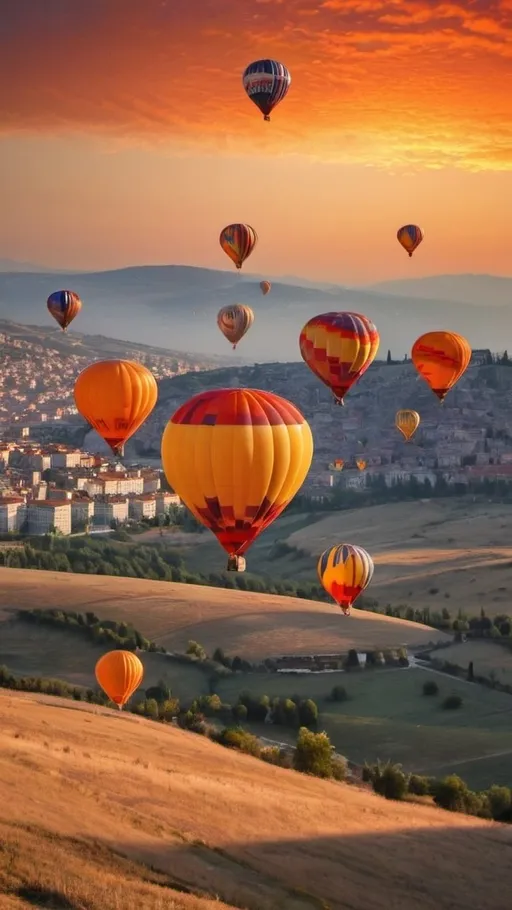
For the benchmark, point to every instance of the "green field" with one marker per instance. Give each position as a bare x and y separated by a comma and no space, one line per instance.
490,658
388,717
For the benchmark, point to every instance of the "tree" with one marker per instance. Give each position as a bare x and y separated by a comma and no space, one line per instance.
308,713
389,781
197,650
388,358
430,687
313,753
451,793
499,800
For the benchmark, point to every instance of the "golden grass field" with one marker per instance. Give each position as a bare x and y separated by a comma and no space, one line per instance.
244,623
107,811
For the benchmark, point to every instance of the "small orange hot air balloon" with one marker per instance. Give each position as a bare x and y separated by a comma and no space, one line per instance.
238,242
339,348
236,458
361,464
441,358
265,287
234,321
119,673
409,236
407,422
116,397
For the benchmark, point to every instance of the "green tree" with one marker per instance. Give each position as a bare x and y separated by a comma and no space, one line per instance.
313,753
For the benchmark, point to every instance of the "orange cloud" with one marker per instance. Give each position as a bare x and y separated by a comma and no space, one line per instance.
379,82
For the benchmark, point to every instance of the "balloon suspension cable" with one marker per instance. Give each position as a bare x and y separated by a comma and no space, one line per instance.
339,401
266,117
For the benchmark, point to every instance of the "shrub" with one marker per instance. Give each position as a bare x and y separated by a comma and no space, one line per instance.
237,738
418,785
339,767
499,800
239,712
339,693
308,713
430,687
452,702
451,793
313,753
390,781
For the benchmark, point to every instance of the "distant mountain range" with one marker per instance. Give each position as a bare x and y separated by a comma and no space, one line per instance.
175,307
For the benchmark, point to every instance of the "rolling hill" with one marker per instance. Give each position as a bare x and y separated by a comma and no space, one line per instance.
453,553
122,813
177,306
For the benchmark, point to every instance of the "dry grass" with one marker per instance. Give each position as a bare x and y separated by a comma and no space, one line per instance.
455,546
252,625
489,658
78,786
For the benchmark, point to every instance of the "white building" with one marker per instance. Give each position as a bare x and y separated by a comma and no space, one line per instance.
13,512
47,513
115,508
143,506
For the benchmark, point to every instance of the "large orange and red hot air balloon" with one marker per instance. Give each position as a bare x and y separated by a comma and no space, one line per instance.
119,673
238,242
441,358
345,571
236,457
339,348
116,397
234,321
64,306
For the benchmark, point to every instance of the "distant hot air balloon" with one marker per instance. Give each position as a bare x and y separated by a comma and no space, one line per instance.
116,397
119,673
441,358
266,82
339,348
236,457
410,237
361,464
238,242
234,321
407,422
337,464
265,287
345,571
64,306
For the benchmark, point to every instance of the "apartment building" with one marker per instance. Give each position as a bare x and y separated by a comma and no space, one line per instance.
46,513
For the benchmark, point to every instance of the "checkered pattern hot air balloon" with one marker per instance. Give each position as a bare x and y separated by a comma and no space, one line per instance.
339,348
345,571
236,457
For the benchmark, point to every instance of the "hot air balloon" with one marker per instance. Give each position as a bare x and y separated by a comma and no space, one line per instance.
266,83
361,464
236,457
119,673
407,422
410,237
441,358
265,287
238,242
116,397
345,571
234,321
64,306
337,464
339,348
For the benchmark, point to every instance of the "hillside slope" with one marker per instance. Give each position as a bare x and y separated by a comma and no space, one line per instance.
251,625
80,788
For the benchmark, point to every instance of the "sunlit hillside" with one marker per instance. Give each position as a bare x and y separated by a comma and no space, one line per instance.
104,811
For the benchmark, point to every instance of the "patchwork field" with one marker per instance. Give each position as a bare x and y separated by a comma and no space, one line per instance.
387,716
251,625
452,553
123,813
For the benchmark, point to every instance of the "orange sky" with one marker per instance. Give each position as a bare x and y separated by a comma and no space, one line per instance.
126,137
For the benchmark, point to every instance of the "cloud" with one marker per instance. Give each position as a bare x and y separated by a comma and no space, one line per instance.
382,82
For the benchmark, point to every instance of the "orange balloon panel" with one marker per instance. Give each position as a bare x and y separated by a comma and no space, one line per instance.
116,397
119,673
441,358
339,348
237,457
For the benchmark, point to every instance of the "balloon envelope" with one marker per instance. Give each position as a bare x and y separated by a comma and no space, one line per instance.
266,83
441,358
234,321
236,457
64,306
409,236
407,422
339,348
238,242
265,287
115,397
345,571
119,673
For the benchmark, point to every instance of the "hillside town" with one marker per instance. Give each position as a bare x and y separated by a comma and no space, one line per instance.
58,489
